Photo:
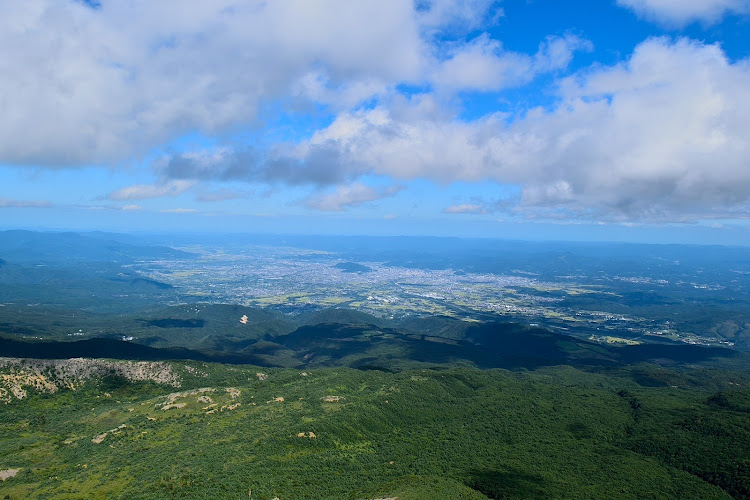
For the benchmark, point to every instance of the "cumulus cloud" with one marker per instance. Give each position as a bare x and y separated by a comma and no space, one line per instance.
483,64
349,196
83,85
681,12
146,191
661,136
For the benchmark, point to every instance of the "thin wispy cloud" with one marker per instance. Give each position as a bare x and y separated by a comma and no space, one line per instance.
178,211
147,191
465,208
345,197
10,203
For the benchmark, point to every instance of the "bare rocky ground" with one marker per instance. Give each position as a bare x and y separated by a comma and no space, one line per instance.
8,473
51,375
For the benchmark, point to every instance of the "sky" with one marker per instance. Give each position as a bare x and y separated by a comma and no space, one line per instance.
624,120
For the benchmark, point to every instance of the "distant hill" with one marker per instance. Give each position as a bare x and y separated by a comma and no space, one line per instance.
93,348
101,286
436,326
343,316
221,329
28,246
332,337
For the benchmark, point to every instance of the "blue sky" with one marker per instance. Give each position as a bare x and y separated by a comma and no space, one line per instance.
532,119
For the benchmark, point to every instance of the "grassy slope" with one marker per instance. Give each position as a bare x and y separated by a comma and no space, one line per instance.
439,433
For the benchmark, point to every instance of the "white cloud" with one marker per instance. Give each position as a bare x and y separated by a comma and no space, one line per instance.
483,65
83,85
681,12
349,196
87,86
145,191
556,52
457,15
662,136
